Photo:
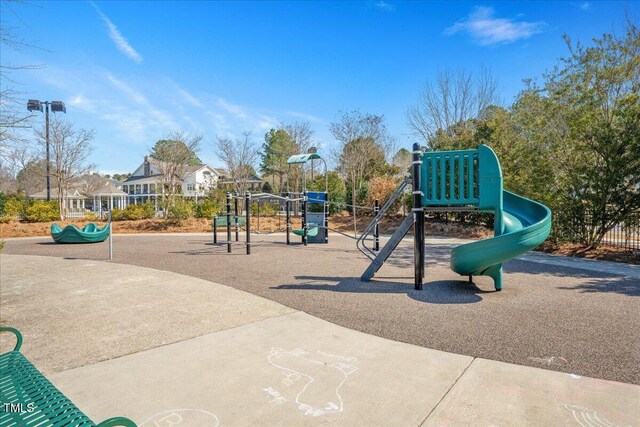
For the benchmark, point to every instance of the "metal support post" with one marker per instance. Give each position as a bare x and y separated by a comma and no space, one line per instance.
110,238
288,215
235,213
376,230
229,222
304,218
215,228
247,226
47,152
418,212
326,217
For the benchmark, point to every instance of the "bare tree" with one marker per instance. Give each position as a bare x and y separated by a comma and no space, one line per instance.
301,140
174,154
8,183
300,133
70,150
13,116
402,160
364,142
454,97
239,156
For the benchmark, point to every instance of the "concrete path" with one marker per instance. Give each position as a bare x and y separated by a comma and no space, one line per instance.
166,349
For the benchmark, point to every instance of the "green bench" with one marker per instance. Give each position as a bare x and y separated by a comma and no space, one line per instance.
27,398
221,221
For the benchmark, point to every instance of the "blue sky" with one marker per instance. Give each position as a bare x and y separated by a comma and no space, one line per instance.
134,71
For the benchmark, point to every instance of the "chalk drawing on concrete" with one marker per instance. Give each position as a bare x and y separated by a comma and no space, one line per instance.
588,417
182,418
318,382
551,360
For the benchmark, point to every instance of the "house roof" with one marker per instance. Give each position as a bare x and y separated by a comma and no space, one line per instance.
108,189
158,164
253,178
72,194
140,177
85,186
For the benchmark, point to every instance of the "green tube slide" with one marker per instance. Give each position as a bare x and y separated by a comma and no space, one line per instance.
526,225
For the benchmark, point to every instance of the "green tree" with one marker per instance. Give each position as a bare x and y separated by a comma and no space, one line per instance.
175,154
402,160
336,190
277,148
167,150
267,188
32,178
598,87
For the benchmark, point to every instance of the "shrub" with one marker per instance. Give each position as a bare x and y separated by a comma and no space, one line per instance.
208,208
266,208
11,209
117,214
89,216
382,188
41,211
180,210
134,212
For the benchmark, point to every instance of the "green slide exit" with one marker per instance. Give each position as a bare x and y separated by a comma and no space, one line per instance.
526,225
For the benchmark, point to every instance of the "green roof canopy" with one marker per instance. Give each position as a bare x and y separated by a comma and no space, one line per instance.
303,158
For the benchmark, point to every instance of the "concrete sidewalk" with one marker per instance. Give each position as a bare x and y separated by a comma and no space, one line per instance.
167,349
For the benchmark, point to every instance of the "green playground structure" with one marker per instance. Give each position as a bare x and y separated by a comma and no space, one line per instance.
90,233
465,180
312,230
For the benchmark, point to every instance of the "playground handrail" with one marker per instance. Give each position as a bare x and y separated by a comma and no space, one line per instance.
360,243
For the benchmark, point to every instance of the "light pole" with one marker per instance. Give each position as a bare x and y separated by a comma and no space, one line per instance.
56,106
312,150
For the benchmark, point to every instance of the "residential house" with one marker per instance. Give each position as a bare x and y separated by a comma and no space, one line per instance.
88,193
254,183
146,183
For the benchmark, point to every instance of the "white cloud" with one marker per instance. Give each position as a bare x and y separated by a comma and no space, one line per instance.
486,29
117,37
195,102
383,5
234,109
585,5
304,116
127,90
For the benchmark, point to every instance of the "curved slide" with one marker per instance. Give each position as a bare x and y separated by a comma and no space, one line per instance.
526,225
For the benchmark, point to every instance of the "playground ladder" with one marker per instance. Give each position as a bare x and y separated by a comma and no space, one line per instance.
360,243
388,248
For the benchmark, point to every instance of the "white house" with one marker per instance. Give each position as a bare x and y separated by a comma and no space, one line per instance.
88,193
145,183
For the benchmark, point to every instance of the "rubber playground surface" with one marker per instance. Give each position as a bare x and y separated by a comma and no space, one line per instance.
562,316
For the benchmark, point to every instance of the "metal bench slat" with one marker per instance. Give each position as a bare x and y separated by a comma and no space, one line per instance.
21,382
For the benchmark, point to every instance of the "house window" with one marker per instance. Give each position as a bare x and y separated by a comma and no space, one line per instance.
191,186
